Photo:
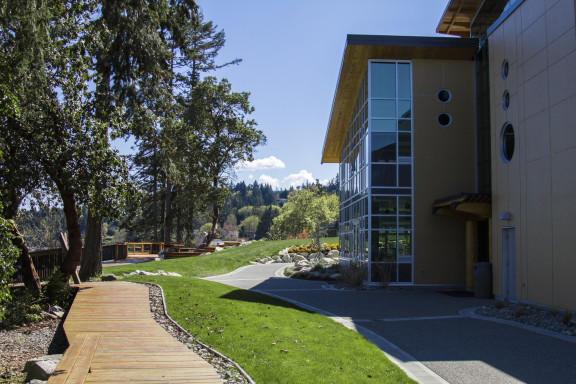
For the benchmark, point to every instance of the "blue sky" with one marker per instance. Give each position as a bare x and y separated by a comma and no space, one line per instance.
291,53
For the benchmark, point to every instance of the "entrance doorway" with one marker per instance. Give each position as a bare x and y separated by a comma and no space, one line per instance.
509,263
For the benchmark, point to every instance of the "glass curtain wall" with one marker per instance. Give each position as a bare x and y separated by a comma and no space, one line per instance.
390,197
354,160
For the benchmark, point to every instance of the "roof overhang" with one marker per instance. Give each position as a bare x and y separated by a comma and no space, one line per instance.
467,18
465,206
361,48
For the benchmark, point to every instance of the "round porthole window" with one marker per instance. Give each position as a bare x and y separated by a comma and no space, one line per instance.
507,140
444,95
506,100
444,119
505,69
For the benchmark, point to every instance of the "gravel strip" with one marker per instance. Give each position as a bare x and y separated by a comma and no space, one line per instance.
531,315
19,345
226,368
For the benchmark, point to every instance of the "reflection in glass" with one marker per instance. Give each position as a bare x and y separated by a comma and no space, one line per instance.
384,222
383,108
405,205
384,175
383,147
404,175
404,109
384,246
405,243
404,125
383,80
404,83
405,222
383,125
384,205
404,145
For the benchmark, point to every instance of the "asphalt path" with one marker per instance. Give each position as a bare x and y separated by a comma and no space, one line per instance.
432,336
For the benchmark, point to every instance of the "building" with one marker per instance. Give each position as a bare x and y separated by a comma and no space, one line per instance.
455,151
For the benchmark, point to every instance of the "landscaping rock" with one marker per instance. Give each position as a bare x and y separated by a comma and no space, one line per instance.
36,381
275,257
334,254
174,274
336,276
41,368
314,256
286,258
328,261
144,273
109,277
216,242
57,311
305,254
299,258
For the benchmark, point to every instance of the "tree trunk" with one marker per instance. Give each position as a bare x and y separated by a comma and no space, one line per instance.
29,275
168,213
179,226
72,259
212,234
91,263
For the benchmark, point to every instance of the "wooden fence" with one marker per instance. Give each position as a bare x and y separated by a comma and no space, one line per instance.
45,263
115,252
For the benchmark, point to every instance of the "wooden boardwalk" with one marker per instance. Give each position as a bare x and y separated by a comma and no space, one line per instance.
113,339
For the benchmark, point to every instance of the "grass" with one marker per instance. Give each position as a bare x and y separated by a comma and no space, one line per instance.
274,341
217,263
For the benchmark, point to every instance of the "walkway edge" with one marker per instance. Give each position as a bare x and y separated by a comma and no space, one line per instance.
246,375
412,367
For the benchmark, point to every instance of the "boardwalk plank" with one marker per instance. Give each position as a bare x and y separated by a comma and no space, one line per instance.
115,340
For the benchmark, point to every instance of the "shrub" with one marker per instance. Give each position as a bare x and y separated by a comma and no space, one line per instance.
498,304
520,311
58,292
24,308
567,316
355,273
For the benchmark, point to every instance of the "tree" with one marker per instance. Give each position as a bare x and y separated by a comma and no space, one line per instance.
306,210
224,136
265,224
57,126
8,256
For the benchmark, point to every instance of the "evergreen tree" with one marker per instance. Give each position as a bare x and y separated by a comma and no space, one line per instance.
265,224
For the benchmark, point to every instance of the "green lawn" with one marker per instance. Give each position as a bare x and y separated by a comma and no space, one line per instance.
217,263
274,341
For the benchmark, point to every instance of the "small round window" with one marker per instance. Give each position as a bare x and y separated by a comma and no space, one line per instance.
505,69
506,100
444,119
507,140
444,95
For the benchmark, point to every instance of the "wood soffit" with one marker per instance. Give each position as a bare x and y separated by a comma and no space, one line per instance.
458,17
359,50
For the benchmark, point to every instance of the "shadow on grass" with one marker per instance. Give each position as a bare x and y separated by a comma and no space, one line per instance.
259,298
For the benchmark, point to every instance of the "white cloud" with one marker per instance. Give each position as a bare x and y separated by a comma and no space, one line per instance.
271,162
250,176
272,181
297,179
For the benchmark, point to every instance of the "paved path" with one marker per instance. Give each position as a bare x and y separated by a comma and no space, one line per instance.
113,339
429,334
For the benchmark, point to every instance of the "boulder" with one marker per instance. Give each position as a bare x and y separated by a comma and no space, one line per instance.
201,239
314,256
286,258
41,368
109,277
305,254
336,276
275,257
334,254
57,311
299,258
328,261
173,274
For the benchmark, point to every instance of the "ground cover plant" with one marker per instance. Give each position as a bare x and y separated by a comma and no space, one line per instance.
274,341
217,263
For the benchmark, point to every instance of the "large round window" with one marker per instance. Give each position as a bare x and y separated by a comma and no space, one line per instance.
507,140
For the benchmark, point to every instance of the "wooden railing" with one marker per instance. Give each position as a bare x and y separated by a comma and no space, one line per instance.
115,252
45,262
144,248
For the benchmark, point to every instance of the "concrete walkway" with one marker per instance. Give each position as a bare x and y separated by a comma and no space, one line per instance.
430,335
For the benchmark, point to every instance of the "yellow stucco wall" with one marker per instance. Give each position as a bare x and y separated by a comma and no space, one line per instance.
444,165
538,186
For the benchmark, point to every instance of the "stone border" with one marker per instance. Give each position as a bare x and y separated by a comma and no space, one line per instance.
212,350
